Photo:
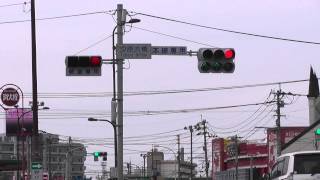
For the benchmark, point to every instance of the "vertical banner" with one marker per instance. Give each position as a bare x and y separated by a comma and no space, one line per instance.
217,156
19,121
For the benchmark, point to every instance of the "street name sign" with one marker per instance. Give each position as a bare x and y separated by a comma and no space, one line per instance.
134,51
169,50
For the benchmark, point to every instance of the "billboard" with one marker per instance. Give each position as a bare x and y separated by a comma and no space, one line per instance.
287,133
19,117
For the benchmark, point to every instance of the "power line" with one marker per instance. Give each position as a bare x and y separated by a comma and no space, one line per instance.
159,92
93,44
13,4
59,17
227,30
175,37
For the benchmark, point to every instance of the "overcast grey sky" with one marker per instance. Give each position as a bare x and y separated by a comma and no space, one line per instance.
258,60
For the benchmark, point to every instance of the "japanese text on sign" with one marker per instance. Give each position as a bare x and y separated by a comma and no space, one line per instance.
169,50
134,51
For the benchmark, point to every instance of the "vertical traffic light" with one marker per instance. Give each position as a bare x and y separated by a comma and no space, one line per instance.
216,60
83,65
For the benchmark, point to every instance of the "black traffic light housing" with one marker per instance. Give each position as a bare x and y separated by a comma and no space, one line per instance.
216,60
104,156
83,65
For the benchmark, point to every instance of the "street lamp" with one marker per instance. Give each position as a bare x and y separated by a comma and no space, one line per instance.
115,137
67,161
191,158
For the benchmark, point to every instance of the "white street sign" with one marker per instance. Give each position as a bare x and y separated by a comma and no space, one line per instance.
169,50
134,51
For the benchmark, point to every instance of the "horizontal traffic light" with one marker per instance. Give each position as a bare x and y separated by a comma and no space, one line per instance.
83,65
216,60
104,155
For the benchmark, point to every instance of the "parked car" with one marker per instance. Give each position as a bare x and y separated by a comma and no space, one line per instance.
303,165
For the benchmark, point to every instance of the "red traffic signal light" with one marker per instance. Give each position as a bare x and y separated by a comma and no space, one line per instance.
216,60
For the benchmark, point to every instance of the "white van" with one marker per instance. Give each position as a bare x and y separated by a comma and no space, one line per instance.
303,165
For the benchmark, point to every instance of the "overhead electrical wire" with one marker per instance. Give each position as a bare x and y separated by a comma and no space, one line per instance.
243,122
160,92
150,113
59,17
14,4
172,36
226,30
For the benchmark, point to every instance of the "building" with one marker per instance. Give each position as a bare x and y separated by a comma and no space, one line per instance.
168,168
7,155
58,159
253,157
292,139
308,139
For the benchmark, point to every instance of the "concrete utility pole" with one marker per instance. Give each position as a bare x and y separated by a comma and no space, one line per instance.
68,164
205,147
279,104
251,167
235,139
120,22
179,157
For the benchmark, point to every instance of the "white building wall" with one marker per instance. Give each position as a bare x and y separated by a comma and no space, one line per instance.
314,109
169,170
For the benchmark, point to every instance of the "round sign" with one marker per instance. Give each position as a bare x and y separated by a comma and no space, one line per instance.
10,96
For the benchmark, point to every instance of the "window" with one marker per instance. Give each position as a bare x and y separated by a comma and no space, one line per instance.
307,163
280,168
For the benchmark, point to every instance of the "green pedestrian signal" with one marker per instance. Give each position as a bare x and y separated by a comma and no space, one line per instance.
317,132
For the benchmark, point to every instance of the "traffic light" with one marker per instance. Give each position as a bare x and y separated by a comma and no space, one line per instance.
96,156
317,134
83,65
216,60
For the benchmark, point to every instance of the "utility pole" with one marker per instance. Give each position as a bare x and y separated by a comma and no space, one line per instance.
251,167
179,174
191,158
120,92
205,147
68,161
144,164
235,138
34,70
152,166
279,104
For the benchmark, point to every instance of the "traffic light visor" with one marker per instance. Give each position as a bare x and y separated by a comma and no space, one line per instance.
96,154
207,54
95,60
72,61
